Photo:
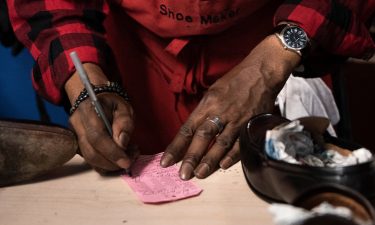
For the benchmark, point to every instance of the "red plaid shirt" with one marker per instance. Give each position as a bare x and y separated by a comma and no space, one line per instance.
51,28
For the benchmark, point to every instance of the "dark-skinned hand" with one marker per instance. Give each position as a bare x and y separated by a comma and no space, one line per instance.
248,89
101,151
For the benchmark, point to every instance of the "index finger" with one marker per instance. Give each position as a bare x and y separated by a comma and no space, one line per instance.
179,145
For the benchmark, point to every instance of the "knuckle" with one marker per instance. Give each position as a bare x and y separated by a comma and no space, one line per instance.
210,97
186,131
191,159
94,137
206,132
212,94
224,142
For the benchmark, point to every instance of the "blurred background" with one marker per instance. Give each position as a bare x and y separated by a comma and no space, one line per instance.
17,96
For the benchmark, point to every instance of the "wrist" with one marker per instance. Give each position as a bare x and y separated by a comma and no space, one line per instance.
74,85
110,87
274,62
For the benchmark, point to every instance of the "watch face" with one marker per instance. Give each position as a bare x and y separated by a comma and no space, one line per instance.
294,37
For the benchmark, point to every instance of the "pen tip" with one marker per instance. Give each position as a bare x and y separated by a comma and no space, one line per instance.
128,172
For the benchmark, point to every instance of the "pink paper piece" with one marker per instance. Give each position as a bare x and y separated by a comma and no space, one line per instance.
154,184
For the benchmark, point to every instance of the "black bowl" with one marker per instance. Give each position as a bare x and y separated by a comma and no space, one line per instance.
279,181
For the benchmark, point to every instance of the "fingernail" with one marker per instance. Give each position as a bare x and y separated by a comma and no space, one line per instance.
124,139
202,171
226,163
186,171
123,163
166,160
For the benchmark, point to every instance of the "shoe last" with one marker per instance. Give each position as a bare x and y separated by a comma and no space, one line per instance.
29,149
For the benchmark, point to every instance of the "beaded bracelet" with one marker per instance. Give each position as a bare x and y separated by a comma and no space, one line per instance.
112,87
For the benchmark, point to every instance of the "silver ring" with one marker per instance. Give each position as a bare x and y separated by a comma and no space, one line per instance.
216,120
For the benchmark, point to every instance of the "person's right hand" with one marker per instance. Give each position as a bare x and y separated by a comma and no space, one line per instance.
103,152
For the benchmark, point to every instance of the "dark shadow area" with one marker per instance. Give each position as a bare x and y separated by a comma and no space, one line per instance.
359,85
61,172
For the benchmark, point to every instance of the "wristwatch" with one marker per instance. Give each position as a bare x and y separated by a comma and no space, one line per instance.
293,38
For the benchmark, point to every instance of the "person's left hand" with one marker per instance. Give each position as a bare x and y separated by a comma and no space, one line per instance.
209,136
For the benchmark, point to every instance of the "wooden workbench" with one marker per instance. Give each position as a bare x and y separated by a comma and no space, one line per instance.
75,194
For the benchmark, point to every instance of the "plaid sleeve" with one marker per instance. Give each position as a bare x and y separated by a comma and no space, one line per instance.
337,26
52,29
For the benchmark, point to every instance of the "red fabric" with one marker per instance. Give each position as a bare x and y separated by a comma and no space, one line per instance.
166,59
51,27
193,17
337,26
165,81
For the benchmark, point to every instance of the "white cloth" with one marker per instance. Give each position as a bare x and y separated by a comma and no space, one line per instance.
358,156
284,214
303,97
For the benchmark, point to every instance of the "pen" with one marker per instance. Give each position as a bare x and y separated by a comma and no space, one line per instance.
86,83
